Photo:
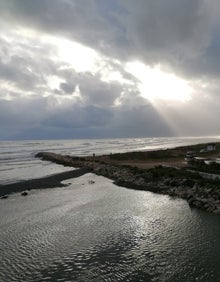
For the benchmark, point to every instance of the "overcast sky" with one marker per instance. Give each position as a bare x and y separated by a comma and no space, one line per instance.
109,68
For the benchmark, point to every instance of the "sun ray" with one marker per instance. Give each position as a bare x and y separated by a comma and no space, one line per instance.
163,90
155,84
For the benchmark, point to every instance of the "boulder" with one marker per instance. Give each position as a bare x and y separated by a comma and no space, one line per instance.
4,197
188,182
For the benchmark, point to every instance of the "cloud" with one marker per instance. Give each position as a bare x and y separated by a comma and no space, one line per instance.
172,31
63,67
37,118
74,19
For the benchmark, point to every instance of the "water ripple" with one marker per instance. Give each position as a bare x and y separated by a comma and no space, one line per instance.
105,233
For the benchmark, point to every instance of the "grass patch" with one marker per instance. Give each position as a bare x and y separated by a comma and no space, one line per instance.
161,172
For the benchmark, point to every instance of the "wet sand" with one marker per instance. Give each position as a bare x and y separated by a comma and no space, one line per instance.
41,183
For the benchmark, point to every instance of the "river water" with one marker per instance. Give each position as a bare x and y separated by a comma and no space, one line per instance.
101,232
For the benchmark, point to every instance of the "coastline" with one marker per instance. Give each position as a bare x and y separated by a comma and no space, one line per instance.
160,171
51,181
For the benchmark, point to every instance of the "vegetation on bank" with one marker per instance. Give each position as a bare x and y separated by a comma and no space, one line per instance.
212,167
174,153
161,172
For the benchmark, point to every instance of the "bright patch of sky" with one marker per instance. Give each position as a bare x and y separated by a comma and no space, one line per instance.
157,84
153,82
80,57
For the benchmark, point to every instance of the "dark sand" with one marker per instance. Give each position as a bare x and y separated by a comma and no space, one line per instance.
51,181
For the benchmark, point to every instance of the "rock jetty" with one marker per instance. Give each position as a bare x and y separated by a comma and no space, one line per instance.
199,193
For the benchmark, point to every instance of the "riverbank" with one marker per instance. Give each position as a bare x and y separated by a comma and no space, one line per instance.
151,171
161,171
51,181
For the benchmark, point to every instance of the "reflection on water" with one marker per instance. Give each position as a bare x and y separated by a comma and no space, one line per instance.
101,232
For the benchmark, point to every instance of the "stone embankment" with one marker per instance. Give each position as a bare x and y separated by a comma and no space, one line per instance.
199,194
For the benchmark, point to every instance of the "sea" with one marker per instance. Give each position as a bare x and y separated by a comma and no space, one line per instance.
93,230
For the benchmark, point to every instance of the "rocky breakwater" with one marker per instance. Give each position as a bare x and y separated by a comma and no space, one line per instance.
199,193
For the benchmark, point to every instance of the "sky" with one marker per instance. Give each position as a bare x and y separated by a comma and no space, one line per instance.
109,68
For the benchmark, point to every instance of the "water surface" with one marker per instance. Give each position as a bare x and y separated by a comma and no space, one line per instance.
100,232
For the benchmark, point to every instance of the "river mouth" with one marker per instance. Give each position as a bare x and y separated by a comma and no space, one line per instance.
91,230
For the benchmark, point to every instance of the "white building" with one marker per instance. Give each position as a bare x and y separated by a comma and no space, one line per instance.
211,147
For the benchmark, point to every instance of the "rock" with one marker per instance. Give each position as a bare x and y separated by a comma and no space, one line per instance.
173,183
189,183
195,187
197,204
208,190
4,197
217,211
24,193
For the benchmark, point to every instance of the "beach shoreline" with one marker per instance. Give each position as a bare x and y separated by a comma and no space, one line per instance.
51,181
160,171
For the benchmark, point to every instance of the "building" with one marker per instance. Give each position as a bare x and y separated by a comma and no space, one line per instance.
211,147
190,155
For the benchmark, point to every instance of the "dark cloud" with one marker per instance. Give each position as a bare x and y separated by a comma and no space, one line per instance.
67,88
25,64
43,96
78,121
174,32
75,19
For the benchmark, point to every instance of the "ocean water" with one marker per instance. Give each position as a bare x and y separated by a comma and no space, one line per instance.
100,232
